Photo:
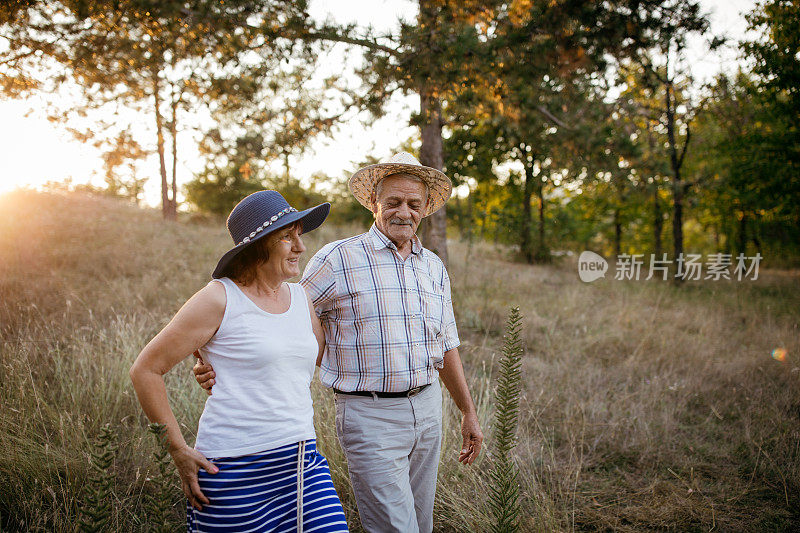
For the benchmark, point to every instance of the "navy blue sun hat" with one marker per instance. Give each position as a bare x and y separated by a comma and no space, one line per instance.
260,214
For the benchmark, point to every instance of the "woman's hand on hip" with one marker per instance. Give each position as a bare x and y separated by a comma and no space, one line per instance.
188,462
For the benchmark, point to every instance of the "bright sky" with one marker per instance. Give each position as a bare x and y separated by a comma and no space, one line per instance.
34,151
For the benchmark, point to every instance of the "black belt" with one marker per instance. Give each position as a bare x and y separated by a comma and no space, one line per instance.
404,394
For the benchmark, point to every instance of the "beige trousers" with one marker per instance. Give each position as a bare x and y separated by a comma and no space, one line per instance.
392,447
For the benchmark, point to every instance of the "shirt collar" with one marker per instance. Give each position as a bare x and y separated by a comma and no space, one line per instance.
379,240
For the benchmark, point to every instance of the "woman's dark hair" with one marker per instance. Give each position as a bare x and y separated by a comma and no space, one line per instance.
244,267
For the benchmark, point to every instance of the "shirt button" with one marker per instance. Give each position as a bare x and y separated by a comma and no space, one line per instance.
414,316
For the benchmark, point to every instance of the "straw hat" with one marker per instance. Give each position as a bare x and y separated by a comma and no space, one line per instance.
260,214
363,182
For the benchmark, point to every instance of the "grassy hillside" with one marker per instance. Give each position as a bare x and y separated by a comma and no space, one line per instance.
646,406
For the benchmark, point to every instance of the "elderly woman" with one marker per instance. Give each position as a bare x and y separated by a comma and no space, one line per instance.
254,466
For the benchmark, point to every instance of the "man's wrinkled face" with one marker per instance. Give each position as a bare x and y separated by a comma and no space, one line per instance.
398,205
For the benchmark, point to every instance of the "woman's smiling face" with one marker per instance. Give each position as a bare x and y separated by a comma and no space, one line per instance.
285,247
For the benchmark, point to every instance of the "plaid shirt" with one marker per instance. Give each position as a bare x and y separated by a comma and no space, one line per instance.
387,321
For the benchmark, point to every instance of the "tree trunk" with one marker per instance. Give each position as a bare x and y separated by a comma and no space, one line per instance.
136,189
677,220
526,245
726,232
617,232
658,224
741,240
434,229
754,234
543,253
167,210
466,228
459,214
678,187
173,130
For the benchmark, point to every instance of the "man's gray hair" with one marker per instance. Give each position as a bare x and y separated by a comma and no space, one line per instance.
379,185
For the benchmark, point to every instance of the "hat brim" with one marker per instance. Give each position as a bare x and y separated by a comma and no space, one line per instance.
363,182
310,219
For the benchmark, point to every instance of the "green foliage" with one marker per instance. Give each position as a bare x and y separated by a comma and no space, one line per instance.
97,508
750,143
777,51
600,102
538,109
122,150
504,491
159,502
772,138
295,193
345,209
271,115
216,191
167,58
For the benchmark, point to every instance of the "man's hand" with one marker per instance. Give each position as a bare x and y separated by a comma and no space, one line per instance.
452,374
473,439
204,373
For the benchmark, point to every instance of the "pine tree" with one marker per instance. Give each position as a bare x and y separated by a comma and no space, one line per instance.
504,490
159,501
97,509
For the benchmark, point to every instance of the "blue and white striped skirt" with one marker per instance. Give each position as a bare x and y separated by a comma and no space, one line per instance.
258,492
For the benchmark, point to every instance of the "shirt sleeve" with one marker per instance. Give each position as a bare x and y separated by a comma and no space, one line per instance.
320,283
450,336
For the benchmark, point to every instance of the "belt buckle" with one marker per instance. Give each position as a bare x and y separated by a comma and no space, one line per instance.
414,391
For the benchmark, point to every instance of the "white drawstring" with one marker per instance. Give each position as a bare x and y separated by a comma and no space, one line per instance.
301,451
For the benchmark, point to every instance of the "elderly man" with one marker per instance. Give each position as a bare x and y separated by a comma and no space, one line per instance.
384,302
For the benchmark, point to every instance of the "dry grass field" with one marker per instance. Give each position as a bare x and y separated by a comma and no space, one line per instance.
646,406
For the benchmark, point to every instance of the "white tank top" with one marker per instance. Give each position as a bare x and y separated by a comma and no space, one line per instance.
264,364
